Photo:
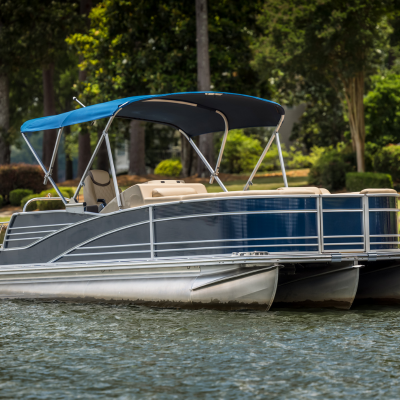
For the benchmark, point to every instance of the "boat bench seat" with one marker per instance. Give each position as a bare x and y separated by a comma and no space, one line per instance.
155,192
377,191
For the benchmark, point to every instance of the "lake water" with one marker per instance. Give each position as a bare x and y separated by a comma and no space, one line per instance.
71,351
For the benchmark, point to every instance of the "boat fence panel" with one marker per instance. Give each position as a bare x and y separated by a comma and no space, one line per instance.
342,224
230,225
359,223
383,223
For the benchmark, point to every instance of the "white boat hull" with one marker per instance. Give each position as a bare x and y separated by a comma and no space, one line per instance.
185,285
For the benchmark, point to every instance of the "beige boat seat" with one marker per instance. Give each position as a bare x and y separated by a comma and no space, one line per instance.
155,192
313,189
377,191
98,185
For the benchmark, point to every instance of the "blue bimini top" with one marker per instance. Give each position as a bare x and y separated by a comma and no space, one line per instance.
193,112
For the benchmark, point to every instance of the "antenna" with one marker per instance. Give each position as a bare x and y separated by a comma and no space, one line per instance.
81,104
75,99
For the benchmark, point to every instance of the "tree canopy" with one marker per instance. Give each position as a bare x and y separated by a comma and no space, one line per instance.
326,41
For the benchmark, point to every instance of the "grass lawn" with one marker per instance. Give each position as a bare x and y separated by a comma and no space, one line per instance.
4,219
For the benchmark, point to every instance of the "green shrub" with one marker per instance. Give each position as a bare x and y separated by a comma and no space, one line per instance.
169,167
67,189
20,176
17,195
46,205
271,159
329,171
387,160
1,201
51,204
357,181
241,152
297,159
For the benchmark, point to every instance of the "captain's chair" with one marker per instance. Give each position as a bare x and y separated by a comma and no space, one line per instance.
98,188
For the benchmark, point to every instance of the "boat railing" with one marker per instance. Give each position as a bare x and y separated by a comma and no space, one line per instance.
358,223
41,199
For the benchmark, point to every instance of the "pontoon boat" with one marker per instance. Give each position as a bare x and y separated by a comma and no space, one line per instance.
171,243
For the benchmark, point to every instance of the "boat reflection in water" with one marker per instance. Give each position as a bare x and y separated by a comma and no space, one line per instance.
172,244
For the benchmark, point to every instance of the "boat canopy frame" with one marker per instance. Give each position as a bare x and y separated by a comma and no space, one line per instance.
48,123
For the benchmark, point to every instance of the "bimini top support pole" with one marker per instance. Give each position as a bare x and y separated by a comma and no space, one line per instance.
221,151
44,169
53,157
114,175
96,150
260,160
278,142
200,154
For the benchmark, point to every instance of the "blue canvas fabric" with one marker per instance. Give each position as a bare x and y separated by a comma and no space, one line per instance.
242,111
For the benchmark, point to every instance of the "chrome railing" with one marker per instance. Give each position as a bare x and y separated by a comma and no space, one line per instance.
42,199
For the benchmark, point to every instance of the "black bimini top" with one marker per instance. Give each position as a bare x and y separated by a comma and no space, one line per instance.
192,112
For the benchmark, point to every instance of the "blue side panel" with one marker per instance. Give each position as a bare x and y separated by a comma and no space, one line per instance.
235,205
382,222
385,239
328,241
222,230
382,202
343,247
340,203
384,246
343,223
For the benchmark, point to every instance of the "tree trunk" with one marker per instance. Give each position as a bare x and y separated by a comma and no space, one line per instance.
5,152
354,94
137,163
102,155
84,150
203,77
69,168
186,157
49,106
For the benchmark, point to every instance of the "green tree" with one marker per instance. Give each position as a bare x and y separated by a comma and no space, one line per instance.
382,110
326,41
149,46
32,38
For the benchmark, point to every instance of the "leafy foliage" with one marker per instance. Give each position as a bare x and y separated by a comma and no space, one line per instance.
20,176
1,201
320,44
149,46
357,181
53,204
382,110
387,160
169,167
18,194
297,159
329,171
241,152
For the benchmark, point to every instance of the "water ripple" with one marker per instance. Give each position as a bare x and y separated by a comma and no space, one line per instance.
72,351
